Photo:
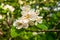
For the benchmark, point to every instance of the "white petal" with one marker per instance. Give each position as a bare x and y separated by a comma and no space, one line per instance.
24,13
2,4
55,9
36,23
25,26
20,2
19,27
11,8
6,6
31,23
39,19
25,8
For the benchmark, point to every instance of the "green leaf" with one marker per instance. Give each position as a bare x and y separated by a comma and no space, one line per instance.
13,33
58,14
50,36
42,26
21,33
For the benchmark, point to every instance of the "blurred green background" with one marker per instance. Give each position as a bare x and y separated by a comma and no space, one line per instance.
49,9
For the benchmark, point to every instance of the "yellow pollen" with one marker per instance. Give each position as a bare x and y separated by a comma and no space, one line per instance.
27,16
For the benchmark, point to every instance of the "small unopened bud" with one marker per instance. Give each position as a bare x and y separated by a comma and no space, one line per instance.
35,33
1,33
44,0
0,16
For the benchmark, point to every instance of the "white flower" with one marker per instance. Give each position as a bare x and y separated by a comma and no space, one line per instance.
37,12
39,19
58,3
5,7
25,8
58,8
23,12
30,2
9,7
46,8
31,15
55,9
40,8
37,7
1,17
21,23
2,4
20,2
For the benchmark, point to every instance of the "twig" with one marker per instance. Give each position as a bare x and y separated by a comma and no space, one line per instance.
42,30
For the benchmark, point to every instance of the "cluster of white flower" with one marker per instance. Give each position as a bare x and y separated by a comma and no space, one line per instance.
11,8
29,17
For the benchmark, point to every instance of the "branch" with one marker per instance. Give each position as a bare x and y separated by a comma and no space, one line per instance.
42,30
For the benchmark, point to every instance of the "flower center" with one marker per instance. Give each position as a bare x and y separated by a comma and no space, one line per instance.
19,24
27,16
